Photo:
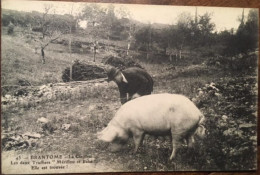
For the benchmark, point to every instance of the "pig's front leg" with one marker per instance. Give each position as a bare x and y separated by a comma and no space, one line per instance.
138,137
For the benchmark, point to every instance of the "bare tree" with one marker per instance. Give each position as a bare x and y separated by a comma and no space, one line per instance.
45,22
70,25
49,32
44,44
95,15
125,13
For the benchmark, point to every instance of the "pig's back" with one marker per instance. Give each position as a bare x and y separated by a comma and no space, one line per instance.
158,112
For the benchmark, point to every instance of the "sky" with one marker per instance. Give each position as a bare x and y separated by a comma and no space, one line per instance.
223,17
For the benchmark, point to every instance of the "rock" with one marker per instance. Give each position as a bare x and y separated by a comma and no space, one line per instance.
201,93
224,117
31,135
194,100
66,127
43,87
253,138
8,96
91,107
16,138
247,125
4,100
212,84
217,94
43,120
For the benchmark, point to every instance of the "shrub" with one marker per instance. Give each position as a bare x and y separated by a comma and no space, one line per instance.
10,29
230,109
83,72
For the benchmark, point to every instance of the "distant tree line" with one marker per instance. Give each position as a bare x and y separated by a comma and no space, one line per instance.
199,34
38,22
107,22
190,33
245,38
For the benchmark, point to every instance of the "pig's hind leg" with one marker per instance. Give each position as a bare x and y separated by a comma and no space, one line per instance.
176,141
190,137
190,141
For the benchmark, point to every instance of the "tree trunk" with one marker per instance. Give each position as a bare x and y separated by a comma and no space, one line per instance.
170,58
70,70
147,51
180,51
70,53
128,48
42,52
94,55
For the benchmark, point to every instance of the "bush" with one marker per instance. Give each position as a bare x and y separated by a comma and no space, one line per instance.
10,29
83,72
230,109
120,63
240,62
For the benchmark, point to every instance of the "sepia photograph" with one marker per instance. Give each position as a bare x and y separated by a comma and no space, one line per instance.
108,87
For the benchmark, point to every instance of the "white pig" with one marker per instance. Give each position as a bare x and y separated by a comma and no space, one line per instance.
157,114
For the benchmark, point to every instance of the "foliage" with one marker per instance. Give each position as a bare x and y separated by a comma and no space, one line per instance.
230,109
241,62
93,13
38,22
83,72
105,21
120,63
247,34
144,37
186,33
245,39
110,23
10,30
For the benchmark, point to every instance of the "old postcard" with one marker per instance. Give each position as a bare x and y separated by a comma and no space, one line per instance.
92,87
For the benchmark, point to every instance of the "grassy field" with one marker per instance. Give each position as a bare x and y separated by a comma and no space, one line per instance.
227,99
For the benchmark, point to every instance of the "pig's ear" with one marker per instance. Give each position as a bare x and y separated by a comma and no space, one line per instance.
107,135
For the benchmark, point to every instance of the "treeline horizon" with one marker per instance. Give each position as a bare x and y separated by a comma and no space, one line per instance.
189,33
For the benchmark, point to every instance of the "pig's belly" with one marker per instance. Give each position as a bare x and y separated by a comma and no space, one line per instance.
158,132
